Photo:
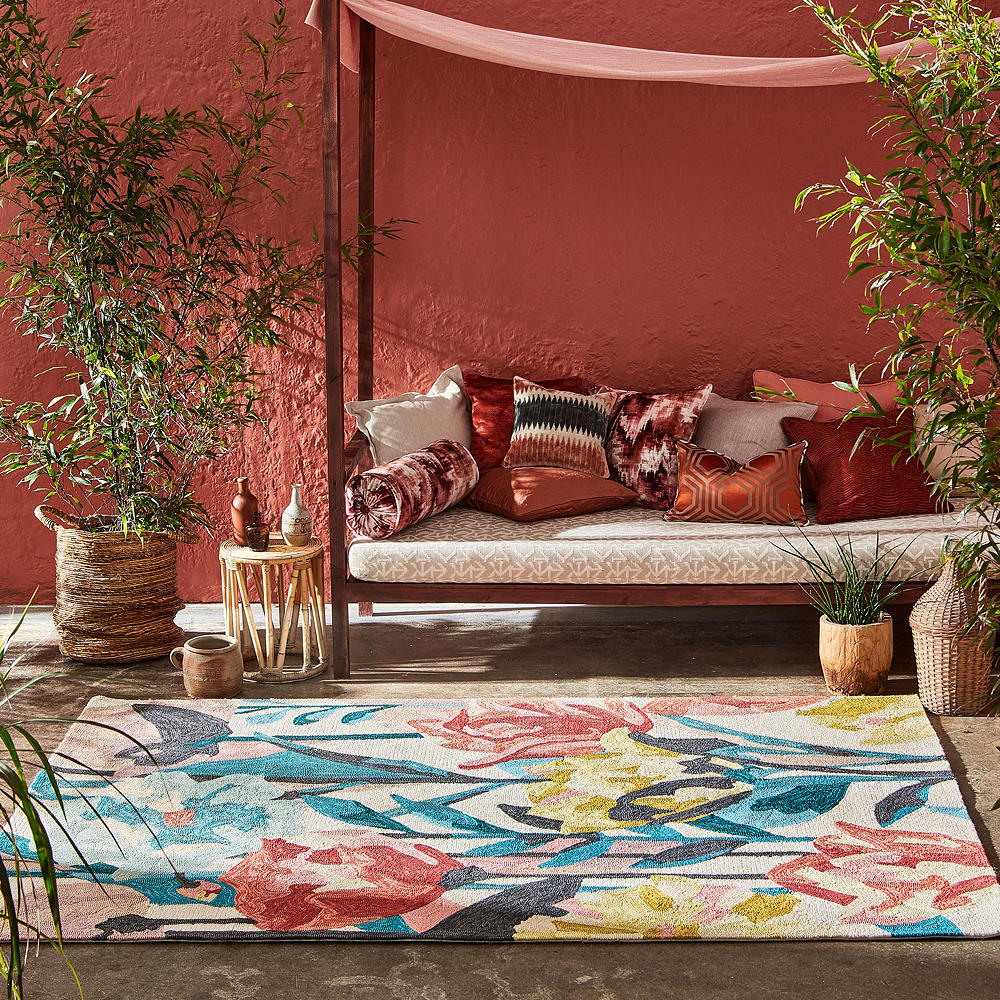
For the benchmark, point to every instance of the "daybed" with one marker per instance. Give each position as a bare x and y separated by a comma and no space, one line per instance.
629,556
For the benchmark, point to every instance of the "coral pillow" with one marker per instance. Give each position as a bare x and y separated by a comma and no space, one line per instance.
565,430
712,487
643,436
831,403
491,401
537,494
865,484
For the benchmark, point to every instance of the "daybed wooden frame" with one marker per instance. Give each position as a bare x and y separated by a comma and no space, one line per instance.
343,460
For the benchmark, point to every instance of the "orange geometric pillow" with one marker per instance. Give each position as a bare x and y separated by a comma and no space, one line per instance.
711,487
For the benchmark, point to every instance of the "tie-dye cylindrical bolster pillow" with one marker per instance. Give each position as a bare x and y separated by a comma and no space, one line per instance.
407,490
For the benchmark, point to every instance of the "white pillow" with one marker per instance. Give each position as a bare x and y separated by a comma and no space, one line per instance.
409,422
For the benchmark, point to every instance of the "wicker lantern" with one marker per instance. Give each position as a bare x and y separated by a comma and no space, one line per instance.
116,594
953,655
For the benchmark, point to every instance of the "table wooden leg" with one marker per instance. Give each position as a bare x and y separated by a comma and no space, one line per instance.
319,613
306,612
286,619
268,615
248,614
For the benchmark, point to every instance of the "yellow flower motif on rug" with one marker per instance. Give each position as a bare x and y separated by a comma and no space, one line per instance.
631,784
886,719
672,906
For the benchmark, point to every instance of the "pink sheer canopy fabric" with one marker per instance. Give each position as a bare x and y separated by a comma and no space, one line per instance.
569,57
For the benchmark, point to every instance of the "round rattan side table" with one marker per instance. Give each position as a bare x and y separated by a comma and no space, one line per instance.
287,582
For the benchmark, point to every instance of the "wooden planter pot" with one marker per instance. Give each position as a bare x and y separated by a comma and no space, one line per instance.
855,658
116,594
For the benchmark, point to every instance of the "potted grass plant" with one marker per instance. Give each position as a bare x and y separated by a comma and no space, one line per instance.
130,255
852,594
925,234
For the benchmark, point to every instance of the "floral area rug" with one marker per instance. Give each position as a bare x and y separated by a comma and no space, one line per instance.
524,820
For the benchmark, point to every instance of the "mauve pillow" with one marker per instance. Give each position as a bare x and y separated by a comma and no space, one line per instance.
714,487
831,403
642,439
865,484
743,430
491,402
534,494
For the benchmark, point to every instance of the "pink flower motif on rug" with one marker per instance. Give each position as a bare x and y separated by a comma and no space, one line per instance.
510,730
727,705
889,877
336,880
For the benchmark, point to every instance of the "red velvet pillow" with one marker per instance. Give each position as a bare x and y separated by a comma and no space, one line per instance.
866,484
492,403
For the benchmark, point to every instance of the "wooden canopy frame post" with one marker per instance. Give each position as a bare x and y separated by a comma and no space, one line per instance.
341,459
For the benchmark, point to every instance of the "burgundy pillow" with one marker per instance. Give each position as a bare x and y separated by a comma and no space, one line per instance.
536,494
492,405
642,439
409,489
712,487
866,484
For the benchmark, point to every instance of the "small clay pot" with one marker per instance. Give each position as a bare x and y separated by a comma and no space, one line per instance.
212,666
245,510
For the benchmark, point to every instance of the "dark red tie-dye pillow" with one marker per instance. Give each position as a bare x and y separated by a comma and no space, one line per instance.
642,439
491,402
854,484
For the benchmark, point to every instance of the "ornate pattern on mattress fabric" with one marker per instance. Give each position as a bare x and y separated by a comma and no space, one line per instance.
712,487
642,439
559,429
856,481
632,545
742,430
410,489
832,403
491,404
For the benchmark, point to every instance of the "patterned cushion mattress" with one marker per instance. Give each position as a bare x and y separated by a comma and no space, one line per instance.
632,545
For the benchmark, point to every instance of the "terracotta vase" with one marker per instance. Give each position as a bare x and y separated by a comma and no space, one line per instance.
244,510
212,666
855,658
296,521
954,654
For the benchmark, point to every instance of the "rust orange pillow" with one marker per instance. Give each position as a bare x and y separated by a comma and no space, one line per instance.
831,403
491,403
537,494
712,487
854,484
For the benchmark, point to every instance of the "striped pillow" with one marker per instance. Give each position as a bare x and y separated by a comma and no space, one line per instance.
711,487
560,429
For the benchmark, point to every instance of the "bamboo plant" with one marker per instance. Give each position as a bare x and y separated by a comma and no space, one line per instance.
926,234
131,258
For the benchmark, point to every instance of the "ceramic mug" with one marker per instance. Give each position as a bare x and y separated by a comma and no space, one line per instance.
212,666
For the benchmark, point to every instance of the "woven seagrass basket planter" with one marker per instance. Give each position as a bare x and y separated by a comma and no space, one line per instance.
953,656
116,594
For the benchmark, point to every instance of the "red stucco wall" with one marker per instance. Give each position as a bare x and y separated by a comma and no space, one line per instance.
639,234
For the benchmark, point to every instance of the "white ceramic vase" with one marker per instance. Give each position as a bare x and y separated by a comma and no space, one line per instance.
296,521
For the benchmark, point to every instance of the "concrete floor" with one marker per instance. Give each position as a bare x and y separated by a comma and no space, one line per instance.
467,652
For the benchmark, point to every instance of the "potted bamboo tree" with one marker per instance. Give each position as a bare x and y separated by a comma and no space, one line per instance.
927,235
127,259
